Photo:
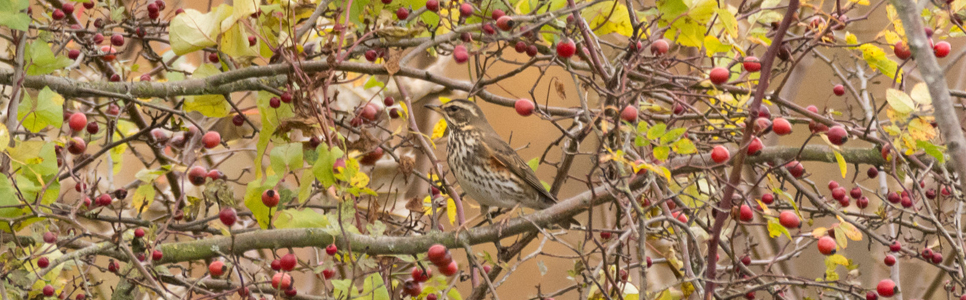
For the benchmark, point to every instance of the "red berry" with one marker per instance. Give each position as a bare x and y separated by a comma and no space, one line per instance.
789,219
372,157
450,269
292,292
886,288
680,216
927,253
328,273
238,120
228,216
862,202
461,56
288,262
50,237
906,202
58,14
76,145
937,258
43,262
113,266
659,47
216,268
902,51
524,107
104,200
389,101
931,194
497,14
160,135
274,102
117,40
796,168
402,13
605,235
420,274
439,255
768,199
270,198
781,126
77,121
895,246
197,175
889,260
370,112
466,10
73,54
488,29
213,58
678,109
157,255
872,172
371,55
108,52
139,232
276,264
745,214
432,5
856,193
412,288
331,249
520,47
838,135
282,281
629,114
826,245
751,64
566,49
89,5
252,41
838,89
48,290
746,260
719,75
648,262
505,23
754,148
720,154
870,295
941,49
211,139
893,198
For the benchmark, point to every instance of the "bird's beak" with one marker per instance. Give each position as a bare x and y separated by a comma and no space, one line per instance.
435,108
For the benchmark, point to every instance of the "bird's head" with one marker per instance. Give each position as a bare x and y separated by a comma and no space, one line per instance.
461,114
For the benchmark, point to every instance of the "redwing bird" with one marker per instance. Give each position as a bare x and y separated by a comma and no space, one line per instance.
486,167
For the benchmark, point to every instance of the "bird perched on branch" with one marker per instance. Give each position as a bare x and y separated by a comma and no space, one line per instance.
487,169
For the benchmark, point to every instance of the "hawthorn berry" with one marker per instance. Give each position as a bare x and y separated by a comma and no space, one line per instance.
228,216
197,175
524,107
719,75
331,249
941,49
886,288
789,219
270,198
768,199
902,51
432,5
420,274
629,114
282,281
781,126
838,89
211,139
43,262
76,145
889,260
566,48
720,154
659,47
826,245
288,262
751,64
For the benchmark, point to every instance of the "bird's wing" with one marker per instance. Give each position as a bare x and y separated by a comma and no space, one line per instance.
503,154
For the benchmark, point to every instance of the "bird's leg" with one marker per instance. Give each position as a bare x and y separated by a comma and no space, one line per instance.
485,211
505,221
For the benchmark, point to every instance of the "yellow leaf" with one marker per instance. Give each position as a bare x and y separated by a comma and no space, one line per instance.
851,39
899,101
838,259
841,161
920,129
850,231
451,210
439,129
876,58
819,232
920,94
443,100
405,109
609,16
729,21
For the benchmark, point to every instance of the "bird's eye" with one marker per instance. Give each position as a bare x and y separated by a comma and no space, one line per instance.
451,109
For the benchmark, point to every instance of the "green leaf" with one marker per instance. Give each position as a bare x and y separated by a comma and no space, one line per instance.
35,158
212,106
341,288
42,59
661,152
305,190
534,163
657,131
271,118
192,31
775,229
148,175
143,197
609,17
323,166
684,146
235,43
373,82
938,152
13,16
673,135
374,289
841,161
899,101
728,20
45,110
287,156
253,198
306,218
876,58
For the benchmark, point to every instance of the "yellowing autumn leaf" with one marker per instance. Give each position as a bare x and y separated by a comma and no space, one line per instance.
439,129
920,129
899,101
609,17
876,58
192,31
